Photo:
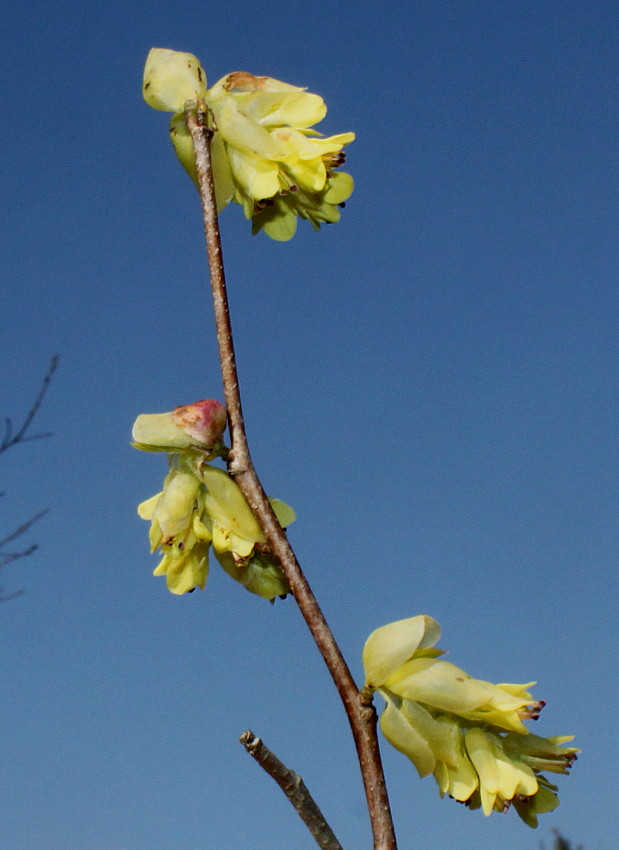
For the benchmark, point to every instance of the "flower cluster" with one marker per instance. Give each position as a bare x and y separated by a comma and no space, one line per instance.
265,155
201,507
469,733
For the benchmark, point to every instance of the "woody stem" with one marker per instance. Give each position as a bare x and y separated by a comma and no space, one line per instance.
361,713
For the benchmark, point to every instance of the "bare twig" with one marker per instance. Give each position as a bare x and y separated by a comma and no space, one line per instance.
295,789
11,439
23,528
8,441
9,557
361,714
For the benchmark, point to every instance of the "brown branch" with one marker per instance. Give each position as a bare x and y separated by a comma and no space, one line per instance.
295,789
361,715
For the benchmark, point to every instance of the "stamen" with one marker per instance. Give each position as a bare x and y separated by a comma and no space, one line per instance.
532,712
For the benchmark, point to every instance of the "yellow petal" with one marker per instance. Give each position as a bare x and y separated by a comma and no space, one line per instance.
284,513
186,574
388,647
278,221
258,177
177,502
201,529
461,780
480,752
441,734
309,147
158,431
449,688
240,546
227,505
309,174
340,187
273,109
147,508
406,738
221,538
171,78
155,536
183,146
241,132
222,173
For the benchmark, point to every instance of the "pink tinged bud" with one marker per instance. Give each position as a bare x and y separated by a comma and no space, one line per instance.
193,427
204,421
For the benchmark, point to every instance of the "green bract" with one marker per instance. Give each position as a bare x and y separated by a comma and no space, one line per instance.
469,733
265,155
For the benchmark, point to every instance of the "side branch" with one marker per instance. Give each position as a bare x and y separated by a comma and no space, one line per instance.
9,439
9,557
362,717
295,789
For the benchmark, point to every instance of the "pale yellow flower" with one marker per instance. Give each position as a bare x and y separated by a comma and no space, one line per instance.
201,506
469,733
238,541
265,155
175,518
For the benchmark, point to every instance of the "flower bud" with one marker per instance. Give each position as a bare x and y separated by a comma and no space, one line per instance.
205,420
199,427
171,78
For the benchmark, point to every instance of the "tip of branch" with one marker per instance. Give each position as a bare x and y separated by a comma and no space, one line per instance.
249,740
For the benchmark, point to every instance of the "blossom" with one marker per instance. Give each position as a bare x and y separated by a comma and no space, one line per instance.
467,732
177,530
238,540
235,528
201,506
265,154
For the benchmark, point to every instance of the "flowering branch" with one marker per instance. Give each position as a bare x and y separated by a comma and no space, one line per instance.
250,140
361,715
294,788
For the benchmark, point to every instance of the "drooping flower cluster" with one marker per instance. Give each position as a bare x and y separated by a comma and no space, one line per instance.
201,507
468,733
265,155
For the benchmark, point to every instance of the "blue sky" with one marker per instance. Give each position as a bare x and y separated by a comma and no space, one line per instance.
432,383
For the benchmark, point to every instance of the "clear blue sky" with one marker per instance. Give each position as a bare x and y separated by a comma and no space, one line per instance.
432,383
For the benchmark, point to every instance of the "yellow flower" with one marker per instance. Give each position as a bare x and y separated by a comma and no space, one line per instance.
176,529
235,529
469,733
200,505
238,541
265,155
